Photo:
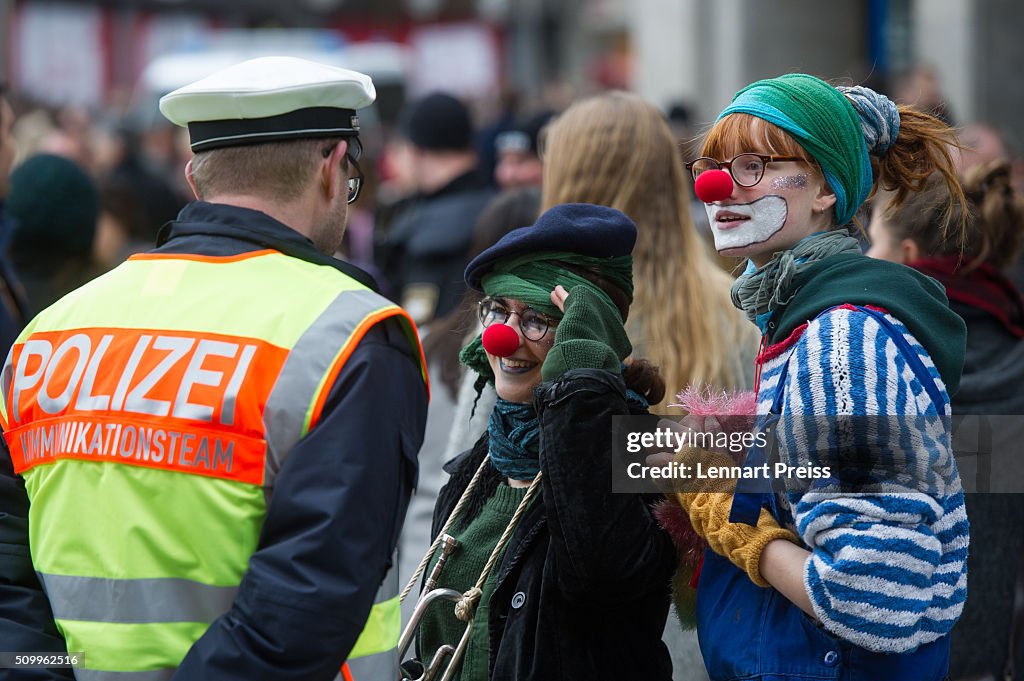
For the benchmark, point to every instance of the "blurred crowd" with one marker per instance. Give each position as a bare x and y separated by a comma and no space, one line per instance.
85,189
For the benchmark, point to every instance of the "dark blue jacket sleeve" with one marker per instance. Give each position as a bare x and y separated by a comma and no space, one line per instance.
26,621
331,527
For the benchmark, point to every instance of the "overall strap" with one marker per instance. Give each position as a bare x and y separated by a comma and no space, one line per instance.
750,496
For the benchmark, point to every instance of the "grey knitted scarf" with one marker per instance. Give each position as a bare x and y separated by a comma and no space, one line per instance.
762,290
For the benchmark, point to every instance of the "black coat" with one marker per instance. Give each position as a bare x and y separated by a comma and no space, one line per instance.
428,241
583,589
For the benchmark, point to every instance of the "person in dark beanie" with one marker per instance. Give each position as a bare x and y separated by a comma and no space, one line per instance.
424,251
563,578
55,205
14,309
519,163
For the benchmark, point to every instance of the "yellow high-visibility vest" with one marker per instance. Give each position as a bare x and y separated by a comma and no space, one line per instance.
149,413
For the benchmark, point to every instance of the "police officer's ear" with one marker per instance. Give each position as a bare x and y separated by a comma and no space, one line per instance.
190,178
334,171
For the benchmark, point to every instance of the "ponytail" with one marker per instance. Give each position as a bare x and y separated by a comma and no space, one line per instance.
997,214
923,147
645,378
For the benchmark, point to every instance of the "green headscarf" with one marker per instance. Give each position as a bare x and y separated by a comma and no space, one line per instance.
825,123
532,277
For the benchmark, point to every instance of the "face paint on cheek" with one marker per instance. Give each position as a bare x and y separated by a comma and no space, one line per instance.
790,182
742,225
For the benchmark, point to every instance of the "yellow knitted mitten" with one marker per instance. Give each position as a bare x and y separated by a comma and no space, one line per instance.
709,504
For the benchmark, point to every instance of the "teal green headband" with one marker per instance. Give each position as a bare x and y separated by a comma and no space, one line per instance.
531,277
834,125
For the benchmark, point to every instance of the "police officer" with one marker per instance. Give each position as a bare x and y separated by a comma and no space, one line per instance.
210,449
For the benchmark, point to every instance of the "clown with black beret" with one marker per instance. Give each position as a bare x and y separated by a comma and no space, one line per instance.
540,534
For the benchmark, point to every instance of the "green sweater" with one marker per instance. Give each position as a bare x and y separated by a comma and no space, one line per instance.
461,572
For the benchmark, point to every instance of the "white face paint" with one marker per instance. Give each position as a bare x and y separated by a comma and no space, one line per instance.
744,224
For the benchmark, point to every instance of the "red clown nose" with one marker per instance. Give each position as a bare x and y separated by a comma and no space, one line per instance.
500,340
713,185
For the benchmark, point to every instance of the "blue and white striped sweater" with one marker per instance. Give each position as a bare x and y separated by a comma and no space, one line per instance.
888,570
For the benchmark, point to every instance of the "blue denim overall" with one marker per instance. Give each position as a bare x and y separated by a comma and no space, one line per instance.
749,632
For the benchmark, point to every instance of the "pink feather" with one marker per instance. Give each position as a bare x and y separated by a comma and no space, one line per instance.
734,412
674,520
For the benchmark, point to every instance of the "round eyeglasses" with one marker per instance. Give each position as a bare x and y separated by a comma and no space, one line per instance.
533,324
746,169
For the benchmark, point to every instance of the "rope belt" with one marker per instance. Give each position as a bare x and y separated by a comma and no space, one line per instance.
466,606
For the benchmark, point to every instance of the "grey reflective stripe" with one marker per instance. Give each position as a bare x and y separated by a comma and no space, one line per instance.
100,675
6,378
389,587
135,601
375,667
307,364
383,665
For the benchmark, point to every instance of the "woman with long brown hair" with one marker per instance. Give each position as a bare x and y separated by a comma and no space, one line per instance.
616,149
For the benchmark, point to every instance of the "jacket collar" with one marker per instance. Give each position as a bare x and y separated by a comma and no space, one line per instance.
201,224
983,287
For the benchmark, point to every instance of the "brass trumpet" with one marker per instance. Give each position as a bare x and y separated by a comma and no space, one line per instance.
447,658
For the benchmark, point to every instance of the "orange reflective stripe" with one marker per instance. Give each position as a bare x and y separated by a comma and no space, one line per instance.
345,673
202,258
414,338
196,451
346,351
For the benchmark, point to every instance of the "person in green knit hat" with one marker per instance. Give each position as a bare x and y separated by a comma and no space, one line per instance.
580,587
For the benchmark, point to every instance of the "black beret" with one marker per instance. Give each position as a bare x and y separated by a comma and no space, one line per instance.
581,228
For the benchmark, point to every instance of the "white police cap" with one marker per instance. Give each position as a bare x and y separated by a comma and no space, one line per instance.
269,99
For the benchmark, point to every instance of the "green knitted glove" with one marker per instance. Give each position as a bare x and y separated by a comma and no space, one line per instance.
590,335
